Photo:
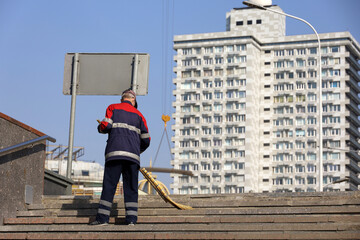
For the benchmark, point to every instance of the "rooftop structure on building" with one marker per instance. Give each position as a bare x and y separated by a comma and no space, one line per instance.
246,112
87,175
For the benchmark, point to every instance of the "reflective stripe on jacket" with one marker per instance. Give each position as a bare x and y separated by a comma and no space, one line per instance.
128,132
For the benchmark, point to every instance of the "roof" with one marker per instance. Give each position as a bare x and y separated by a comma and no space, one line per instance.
22,125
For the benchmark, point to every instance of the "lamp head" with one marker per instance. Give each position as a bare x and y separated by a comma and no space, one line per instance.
258,3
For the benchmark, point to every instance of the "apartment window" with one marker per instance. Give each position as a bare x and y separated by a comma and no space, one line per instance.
290,52
249,22
218,60
267,63
258,21
239,23
313,50
208,50
335,49
218,95
279,52
187,51
219,49
217,130
218,83
301,51
239,165
207,96
205,166
208,61
267,74
241,47
230,48
267,51
85,173
218,119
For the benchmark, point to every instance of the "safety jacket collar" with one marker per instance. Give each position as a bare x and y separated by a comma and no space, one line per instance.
126,101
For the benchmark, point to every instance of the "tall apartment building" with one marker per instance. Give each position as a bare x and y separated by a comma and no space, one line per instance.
246,108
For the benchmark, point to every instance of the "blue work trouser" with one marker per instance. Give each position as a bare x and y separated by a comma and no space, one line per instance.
112,173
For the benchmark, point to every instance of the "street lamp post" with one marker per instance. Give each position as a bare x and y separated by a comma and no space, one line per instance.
320,167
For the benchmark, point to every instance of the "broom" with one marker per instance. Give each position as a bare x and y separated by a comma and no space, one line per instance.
161,191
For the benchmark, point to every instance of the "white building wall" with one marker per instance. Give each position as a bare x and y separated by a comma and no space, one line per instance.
233,89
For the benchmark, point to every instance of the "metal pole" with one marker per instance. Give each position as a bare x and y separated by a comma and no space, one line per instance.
320,165
135,67
72,114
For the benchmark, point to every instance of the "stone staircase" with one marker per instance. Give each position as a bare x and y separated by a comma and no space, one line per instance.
333,215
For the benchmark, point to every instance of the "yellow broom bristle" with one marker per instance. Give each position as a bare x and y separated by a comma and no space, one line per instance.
161,191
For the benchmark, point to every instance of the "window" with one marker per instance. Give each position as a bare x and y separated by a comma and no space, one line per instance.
249,22
230,48
258,21
241,47
208,61
208,50
218,60
219,49
187,51
313,50
239,23
217,130
301,51
85,173
205,166
228,166
335,49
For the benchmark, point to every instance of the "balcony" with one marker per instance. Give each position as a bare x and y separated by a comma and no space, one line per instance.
353,142
351,117
353,166
352,106
354,178
353,95
353,73
353,62
353,84
351,128
354,156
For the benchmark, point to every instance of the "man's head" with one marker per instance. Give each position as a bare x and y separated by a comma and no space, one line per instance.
129,95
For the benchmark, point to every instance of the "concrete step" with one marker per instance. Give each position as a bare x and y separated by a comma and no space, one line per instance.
193,219
235,216
305,235
193,227
349,209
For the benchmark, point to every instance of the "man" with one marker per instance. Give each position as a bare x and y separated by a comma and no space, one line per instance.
128,136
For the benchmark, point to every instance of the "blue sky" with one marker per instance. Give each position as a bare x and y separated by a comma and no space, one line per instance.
35,35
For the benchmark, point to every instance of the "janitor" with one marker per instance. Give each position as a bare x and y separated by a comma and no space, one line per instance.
128,137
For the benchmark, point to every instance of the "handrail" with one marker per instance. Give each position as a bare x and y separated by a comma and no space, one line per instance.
25,144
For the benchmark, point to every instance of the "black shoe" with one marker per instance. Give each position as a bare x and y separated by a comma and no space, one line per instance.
97,223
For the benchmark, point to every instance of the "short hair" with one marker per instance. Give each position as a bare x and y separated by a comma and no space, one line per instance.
127,95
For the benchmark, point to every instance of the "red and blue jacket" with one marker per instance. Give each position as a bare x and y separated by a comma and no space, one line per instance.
128,132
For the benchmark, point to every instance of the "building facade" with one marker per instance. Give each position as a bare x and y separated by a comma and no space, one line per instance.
246,108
